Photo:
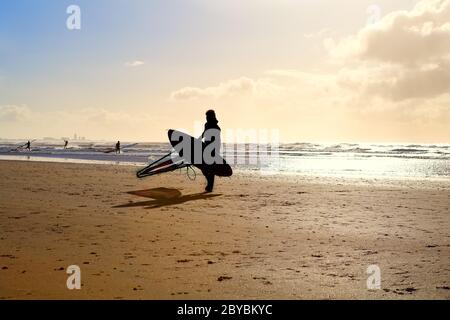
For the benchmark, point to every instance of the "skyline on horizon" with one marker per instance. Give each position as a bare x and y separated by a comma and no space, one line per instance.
376,73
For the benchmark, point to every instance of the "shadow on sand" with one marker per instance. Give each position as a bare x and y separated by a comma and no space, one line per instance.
164,197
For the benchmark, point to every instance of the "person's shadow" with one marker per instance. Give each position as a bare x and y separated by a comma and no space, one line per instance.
164,197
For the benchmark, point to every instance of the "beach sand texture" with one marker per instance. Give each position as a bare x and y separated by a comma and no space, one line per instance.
254,237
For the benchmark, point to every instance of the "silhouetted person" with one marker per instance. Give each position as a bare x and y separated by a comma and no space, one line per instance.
211,123
118,147
28,147
66,142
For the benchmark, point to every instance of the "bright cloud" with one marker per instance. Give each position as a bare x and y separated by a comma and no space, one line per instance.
12,113
135,63
235,87
403,37
406,55
395,72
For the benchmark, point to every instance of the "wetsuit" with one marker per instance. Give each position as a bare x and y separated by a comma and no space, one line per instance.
208,175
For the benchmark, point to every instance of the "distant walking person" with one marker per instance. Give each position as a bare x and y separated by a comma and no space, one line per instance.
28,145
118,147
66,142
211,124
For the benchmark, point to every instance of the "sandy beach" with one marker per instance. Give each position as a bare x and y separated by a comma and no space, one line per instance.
265,237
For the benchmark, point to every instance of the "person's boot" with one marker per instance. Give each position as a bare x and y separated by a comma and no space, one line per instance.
209,185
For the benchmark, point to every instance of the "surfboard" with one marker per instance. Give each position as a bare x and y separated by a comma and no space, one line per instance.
173,160
182,141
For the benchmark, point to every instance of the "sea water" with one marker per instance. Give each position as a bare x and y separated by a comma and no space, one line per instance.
338,159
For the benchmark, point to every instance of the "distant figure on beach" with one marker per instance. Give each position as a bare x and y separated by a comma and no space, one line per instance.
28,147
118,147
66,142
211,123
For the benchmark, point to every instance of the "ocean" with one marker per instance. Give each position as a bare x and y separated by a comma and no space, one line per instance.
419,161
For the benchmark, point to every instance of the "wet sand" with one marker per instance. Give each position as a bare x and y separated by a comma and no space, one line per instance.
282,237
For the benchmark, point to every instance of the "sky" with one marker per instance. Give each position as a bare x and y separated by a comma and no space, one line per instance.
315,70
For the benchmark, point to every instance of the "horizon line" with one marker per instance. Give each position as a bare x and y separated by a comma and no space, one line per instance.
247,142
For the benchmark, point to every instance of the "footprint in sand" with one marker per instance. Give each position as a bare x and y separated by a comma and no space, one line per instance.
222,278
443,287
183,260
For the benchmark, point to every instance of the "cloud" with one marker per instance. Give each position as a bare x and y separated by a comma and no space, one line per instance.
390,80
405,55
90,122
240,86
135,63
324,33
403,37
13,113
103,117
427,82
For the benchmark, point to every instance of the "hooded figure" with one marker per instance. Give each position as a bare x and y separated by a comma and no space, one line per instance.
212,125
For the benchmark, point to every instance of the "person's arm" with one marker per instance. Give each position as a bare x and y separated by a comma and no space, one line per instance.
203,133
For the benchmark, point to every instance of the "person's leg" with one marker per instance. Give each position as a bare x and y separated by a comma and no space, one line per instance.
210,182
